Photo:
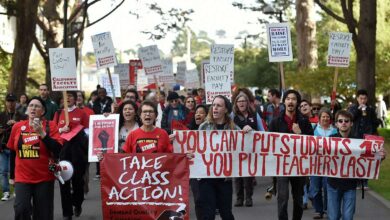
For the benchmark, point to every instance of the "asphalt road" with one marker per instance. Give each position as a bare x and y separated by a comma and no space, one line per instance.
371,207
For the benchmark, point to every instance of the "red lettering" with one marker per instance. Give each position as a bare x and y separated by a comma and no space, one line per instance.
181,141
278,156
345,143
306,170
263,157
360,165
352,166
192,137
218,160
207,163
211,141
326,167
295,138
224,141
286,165
335,165
286,149
254,171
367,145
256,138
241,158
227,164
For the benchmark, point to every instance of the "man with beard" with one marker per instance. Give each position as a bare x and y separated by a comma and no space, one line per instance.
291,121
51,106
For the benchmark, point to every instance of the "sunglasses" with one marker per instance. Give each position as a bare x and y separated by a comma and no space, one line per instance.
343,120
315,109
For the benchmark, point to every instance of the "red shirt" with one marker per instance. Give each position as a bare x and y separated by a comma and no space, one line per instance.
88,111
290,121
140,141
32,156
77,116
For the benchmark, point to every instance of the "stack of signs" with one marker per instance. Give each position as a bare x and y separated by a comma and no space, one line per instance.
104,81
104,50
192,79
122,70
339,49
279,42
63,69
151,61
181,73
223,54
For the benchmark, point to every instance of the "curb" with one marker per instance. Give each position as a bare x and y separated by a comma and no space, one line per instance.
379,198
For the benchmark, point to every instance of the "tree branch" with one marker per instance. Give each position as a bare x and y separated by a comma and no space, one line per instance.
114,9
42,25
39,47
350,21
330,12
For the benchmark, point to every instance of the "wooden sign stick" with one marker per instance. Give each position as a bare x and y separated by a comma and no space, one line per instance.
282,76
333,96
111,84
66,113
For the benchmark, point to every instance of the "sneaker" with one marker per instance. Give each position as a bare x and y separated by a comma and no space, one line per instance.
6,196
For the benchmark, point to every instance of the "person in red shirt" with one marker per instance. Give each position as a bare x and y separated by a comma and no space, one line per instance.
36,141
148,138
75,150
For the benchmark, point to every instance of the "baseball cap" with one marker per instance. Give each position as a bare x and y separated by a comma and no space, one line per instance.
10,97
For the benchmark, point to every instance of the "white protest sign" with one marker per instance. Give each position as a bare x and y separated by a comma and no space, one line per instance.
104,50
217,82
202,70
142,79
104,81
63,69
103,135
167,65
192,79
339,49
122,70
181,72
150,58
224,153
279,42
223,54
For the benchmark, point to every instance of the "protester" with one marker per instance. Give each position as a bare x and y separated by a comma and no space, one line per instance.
381,111
162,100
21,107
307,110
190,104
291,121
174,111
217,192
245,117
132,95
342,191
315,107
201,98
75,151
51,107
7,120
317,190
34,183
152,96
92,99
274,107
128,121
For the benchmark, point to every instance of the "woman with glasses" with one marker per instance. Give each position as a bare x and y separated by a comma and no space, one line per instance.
317,189
36,141
245,117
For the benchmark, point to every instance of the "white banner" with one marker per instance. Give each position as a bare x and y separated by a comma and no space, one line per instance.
236,154
339,49
104,82
217,82
279,42
122,70
103,135
104,50
223,54
150,58
63,69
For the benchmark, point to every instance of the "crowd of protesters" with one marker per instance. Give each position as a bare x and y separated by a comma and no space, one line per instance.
30,132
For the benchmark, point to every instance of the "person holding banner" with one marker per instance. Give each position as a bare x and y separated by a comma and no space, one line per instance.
291,121
342,191
36,142
217,192
317,189
128,121
74,151
245,117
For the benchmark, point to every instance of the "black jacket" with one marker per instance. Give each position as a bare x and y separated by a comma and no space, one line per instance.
363,124
100,107
279,124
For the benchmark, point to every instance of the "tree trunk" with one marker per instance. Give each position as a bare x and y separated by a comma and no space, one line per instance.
25,29
306,35
365,48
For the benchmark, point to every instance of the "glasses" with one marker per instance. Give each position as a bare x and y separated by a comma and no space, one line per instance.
303,105
343,120
147,112
34,106
315,109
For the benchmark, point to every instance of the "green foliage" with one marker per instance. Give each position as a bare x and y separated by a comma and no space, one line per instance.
35,76
5,68
200,44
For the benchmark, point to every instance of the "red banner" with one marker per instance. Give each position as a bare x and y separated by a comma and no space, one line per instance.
145,186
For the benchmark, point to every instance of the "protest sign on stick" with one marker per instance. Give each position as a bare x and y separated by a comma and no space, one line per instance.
224,154
122,70
63,73
145,186
217,82
151,61
111,83
134,66
339,49
103,135
223,54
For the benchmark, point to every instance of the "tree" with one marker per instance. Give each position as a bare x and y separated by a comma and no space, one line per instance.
200,43
363,37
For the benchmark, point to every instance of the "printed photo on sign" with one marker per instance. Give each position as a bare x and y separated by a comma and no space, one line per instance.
103,135
279,42
63,69
104,50
145,186
221,154
339,49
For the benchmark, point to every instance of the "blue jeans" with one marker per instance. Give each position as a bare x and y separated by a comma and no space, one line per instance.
341,203
317,186
4,170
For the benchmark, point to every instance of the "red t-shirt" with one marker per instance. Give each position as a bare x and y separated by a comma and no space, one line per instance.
77,116
32,158
88,111
140,141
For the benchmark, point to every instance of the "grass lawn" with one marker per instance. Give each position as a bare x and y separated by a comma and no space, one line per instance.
382,185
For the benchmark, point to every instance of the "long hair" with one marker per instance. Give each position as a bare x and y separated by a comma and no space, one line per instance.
236,111
227,118
120,111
